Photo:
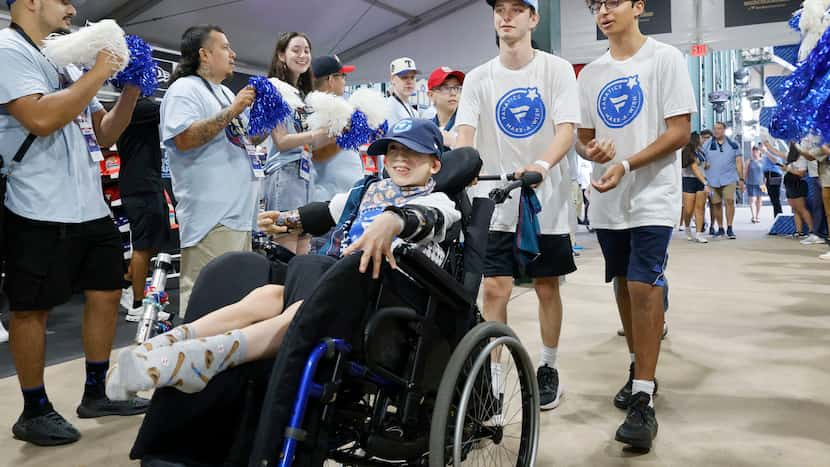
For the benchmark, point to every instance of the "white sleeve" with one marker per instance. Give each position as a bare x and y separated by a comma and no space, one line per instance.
337,205
678,96
566,95
586,101
469,107
441,202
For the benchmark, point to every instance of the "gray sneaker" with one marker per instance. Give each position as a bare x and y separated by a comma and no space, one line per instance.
94,407
49,429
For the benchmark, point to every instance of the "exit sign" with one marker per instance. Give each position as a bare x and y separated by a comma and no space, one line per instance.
699,50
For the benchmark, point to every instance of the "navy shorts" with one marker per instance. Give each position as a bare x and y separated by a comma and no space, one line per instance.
639,254
556,257
692,185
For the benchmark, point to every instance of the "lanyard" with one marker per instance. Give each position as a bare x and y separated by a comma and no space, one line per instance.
408,107
236,122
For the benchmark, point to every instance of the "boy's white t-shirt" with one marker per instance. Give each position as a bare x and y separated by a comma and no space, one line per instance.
629,101
515,113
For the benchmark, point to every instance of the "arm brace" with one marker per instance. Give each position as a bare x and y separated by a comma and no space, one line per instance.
315,218
420,222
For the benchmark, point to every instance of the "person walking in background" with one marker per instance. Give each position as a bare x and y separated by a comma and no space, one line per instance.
695,189
754,171
773,176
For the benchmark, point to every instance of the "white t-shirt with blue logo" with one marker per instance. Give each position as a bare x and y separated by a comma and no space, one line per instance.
515,113
629,101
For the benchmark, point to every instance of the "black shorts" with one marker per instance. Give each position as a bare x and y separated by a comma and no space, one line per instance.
692,185
46,261
149,220
556,257
796,186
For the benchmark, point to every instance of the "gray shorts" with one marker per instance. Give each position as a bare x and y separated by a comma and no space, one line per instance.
285,190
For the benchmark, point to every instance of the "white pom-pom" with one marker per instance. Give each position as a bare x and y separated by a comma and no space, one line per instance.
81,48
372,103
289,93
328,111
814,21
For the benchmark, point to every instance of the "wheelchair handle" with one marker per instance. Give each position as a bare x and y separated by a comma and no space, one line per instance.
500,195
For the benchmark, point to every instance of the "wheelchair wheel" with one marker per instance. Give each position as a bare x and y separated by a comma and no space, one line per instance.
473,426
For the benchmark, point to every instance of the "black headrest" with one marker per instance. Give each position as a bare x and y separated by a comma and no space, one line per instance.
459,168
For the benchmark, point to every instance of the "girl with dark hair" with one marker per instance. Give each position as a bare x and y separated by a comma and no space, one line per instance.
289,168
695,189
794,171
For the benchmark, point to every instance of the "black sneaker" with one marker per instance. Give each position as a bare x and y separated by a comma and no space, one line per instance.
640,426
550,392
49,429
623,398
94,407
730,233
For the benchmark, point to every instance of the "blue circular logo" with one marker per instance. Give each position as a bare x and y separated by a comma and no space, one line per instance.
401,126
620,101
521,112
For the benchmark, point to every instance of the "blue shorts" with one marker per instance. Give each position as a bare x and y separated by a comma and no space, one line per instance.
285,190
753,190
639,254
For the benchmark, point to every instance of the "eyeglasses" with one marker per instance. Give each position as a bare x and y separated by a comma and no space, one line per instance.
596,6
449,89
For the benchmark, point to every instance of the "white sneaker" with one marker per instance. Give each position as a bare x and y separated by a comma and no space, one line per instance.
701,239
689,236
812,239
4,335
134,314
825,256
127,298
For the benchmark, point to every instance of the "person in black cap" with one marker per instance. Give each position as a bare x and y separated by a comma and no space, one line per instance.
336,169
371,216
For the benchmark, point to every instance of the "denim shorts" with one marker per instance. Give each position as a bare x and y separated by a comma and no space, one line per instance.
285,190
639,254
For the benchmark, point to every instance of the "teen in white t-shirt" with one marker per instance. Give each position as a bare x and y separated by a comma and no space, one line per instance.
519,110
636,103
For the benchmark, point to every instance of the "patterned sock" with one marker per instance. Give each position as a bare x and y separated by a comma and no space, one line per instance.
96,374
177,334
185,365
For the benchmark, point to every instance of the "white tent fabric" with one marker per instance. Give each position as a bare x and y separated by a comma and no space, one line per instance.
370,33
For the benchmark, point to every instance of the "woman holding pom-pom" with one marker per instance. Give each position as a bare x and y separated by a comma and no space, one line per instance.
289,168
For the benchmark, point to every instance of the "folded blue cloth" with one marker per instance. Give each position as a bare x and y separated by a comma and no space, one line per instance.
527,228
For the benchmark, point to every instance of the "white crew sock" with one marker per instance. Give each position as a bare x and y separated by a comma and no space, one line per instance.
647,387
495,371
548,356
633,358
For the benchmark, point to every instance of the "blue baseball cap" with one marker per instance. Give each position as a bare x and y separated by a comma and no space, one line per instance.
531,3
417,134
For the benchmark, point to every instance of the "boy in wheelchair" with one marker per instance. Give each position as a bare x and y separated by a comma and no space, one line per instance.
367,220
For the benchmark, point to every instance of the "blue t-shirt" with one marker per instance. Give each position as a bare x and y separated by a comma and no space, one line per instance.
756,173
57,180
770,166
722,167
214,184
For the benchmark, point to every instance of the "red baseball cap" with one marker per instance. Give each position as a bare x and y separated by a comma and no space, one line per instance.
440,74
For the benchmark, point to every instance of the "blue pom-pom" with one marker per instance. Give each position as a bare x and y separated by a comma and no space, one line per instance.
795,20
805,96
269,109
141,71
359,133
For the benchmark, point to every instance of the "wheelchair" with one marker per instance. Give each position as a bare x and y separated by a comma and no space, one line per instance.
406,383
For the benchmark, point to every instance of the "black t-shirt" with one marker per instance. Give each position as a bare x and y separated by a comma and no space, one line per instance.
140,150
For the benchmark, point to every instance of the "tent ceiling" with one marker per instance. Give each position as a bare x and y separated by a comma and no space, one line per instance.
253,26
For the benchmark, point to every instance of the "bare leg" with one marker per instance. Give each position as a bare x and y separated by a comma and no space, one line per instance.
730,211
700,210
624,308
550,309
688,209
27,340
265,337
100,318
717,215
799,224
261,304
496,295
647,327
800,206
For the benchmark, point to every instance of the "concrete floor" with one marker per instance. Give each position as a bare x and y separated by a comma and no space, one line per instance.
743,375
